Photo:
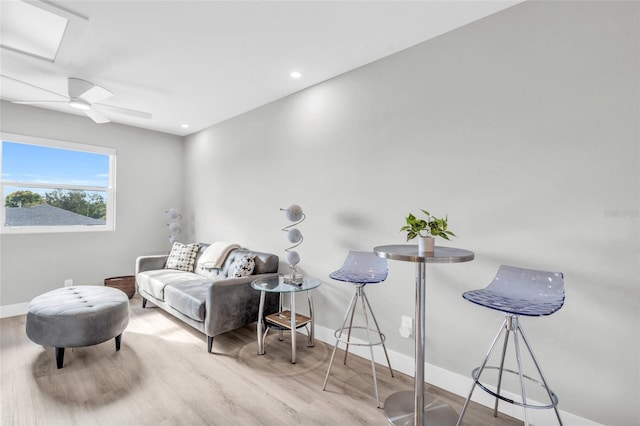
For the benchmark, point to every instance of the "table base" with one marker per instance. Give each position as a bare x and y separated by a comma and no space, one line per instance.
399,406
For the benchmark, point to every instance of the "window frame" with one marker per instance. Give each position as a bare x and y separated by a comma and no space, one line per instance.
110,190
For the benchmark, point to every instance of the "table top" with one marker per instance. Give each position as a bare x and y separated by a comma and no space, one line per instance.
409,253
276,284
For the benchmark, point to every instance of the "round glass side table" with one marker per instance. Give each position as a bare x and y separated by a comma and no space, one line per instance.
285,319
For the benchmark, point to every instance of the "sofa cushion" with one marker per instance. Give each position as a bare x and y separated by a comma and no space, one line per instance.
242,267
265,263
182,256
188,298
154,282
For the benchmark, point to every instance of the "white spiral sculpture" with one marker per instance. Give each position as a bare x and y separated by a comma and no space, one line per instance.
173,225
294,236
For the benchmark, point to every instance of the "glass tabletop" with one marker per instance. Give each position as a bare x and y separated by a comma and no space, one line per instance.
277,284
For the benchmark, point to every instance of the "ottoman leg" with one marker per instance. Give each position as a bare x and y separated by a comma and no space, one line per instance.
118,340
59,357
144,303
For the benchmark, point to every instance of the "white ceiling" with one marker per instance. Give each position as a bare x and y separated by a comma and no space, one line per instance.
202,62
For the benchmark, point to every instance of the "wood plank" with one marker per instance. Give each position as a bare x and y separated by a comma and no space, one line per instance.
283,319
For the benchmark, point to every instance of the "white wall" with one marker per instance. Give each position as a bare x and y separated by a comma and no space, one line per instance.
149,180
522,127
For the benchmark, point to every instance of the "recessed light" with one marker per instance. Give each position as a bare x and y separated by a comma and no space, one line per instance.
295,74
185,126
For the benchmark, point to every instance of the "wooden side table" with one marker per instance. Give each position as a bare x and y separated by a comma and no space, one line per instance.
126,283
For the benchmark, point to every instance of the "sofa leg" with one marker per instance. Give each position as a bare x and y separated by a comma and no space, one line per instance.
59,357
118,341
144,303
209,343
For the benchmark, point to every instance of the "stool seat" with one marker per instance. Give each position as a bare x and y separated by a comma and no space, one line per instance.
521,291
356,277
361,268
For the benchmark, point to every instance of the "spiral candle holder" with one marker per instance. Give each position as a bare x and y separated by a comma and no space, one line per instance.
294,236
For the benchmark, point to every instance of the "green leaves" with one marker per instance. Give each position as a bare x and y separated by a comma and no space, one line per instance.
23,199
433,226
87,204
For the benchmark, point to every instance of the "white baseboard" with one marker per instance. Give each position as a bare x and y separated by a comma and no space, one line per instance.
13,310
455,383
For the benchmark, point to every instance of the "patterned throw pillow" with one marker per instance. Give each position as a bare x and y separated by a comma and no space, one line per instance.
182,256
242,267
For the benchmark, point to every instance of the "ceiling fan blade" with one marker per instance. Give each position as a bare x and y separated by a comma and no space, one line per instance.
124,111
34,86
96,94
39,102
96,116
87,91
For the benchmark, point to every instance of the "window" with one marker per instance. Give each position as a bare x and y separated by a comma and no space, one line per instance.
55,186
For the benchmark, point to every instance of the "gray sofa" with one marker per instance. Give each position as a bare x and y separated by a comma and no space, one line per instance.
206,299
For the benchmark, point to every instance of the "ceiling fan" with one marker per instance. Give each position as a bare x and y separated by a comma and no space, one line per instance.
85,96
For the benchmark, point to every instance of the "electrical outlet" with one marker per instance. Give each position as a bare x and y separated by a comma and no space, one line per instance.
406,327
68,283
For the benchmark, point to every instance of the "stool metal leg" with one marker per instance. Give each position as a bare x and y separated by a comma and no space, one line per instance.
335,347
373,362
504,352
511,324
520,374
475,377
359,294
353,311
552,396
380,335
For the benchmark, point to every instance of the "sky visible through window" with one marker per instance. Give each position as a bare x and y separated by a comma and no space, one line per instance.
42,164
55,186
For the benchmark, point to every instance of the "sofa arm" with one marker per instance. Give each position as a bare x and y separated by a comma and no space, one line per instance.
151,263
233,303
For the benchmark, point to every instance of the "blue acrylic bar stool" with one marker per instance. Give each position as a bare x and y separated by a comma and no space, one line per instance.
360,268
515,292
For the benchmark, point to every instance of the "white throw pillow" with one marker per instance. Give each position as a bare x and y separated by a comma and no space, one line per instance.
182,256
242,267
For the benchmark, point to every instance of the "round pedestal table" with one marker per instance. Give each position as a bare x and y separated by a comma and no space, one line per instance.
406,407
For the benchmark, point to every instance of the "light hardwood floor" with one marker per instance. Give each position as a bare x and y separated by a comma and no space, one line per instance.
163,375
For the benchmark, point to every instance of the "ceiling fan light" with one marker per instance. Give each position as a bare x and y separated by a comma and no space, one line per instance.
79,104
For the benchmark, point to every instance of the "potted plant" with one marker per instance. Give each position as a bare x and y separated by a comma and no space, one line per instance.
426,230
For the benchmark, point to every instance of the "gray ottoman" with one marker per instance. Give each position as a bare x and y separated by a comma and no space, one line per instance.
77,316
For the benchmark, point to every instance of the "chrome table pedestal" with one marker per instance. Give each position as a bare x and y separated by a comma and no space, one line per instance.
399,406
406,407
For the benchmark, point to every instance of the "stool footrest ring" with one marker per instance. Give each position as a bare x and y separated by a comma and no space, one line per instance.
554,397
346,340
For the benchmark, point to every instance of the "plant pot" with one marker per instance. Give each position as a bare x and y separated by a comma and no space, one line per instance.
426,244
